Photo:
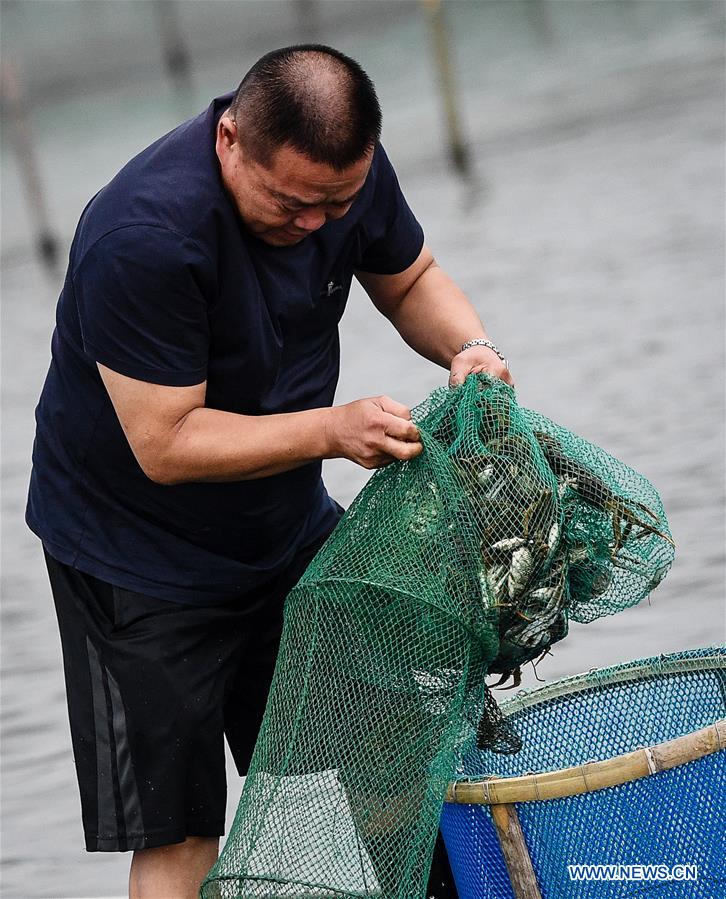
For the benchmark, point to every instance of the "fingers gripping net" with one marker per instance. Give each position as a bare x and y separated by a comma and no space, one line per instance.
441,565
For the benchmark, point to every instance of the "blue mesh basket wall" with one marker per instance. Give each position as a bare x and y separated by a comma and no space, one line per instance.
670,818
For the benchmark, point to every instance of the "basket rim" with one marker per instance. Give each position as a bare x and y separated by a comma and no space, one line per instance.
591,776
707,658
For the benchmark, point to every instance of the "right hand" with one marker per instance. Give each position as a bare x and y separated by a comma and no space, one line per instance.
373,432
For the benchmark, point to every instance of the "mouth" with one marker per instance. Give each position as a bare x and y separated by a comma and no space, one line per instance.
282,236
285,236
297,235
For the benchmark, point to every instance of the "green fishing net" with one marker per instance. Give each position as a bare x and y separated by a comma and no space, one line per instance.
468,560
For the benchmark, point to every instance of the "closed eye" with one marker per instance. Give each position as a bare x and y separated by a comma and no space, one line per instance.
292,206
341,204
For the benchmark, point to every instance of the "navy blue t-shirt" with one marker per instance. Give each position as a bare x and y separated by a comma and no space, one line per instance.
165,285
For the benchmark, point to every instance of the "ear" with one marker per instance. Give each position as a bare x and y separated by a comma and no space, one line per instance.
226,133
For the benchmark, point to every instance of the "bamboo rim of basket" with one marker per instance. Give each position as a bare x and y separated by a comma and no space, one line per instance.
591,776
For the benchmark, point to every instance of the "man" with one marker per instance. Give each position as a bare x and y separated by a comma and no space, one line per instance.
176,482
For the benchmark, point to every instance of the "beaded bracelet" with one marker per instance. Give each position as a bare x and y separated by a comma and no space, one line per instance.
479,341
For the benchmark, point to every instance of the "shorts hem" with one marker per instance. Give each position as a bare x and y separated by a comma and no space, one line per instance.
131,842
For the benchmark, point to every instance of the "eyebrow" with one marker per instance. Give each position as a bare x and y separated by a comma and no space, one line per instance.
303,205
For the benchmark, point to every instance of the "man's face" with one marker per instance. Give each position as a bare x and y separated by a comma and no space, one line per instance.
286,201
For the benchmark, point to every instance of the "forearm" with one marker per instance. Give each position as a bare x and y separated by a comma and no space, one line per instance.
211,445
205,444
435,317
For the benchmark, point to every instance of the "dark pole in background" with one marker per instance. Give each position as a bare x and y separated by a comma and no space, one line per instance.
308,20
540,17
46,242
176,54
458,150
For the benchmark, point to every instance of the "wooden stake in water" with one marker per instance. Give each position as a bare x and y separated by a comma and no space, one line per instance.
176,54
20,135
308,20
458,150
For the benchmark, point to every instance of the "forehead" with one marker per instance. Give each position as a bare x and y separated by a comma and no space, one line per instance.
293,175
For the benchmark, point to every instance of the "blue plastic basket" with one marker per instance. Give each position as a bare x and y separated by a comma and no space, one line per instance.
670,818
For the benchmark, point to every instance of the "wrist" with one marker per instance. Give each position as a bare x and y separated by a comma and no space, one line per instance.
457,347
330,444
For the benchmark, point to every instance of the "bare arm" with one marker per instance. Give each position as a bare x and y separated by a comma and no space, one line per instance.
175,438
434,317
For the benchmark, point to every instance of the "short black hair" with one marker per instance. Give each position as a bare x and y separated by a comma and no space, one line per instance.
310,97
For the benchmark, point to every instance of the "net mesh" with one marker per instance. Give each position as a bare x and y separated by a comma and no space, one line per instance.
467,560
672,818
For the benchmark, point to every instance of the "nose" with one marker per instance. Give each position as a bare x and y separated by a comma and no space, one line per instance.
309,219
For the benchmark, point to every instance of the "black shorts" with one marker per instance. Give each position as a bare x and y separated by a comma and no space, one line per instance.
153,688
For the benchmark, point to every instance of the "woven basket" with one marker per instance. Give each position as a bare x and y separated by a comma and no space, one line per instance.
621,766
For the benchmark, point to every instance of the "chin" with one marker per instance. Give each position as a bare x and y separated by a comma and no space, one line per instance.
281,240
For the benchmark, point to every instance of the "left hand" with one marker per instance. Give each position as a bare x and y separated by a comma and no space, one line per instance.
475,360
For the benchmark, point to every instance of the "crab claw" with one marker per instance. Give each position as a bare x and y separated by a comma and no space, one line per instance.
504,677
516,675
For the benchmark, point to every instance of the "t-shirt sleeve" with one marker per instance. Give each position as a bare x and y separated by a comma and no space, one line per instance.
140,292
392,237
